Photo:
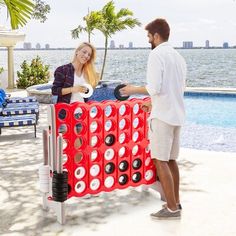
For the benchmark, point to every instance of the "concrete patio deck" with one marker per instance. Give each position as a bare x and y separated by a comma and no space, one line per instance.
208,194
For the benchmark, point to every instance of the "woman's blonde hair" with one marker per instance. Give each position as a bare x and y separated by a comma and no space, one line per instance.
89,69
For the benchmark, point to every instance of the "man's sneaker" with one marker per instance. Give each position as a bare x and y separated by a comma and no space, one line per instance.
179,206
165,214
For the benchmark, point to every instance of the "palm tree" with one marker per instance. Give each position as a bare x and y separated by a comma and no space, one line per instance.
92,19
111,22
19,11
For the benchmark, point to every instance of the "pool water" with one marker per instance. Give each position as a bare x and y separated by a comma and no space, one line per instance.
211,110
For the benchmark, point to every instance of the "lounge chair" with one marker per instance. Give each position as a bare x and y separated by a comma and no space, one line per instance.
8,99
18,106
18,111
16,121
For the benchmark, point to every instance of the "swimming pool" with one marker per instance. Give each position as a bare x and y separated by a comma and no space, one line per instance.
211,109
210,122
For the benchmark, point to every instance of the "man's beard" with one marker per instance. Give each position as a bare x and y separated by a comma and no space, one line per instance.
152,45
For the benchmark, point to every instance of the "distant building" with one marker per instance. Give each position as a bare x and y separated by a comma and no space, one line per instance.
38,46
47,46
130,44
121,46
225,45
207,44
187,44
112,44
27,46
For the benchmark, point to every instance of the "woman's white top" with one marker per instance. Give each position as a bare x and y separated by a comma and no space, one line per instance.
166,75
78,80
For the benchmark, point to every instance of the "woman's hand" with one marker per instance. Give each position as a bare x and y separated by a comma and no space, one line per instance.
79,89
146,106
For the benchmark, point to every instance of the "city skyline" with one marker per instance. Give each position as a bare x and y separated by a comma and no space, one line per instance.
129,45
194,20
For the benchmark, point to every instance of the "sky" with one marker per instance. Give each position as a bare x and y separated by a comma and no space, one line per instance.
190,20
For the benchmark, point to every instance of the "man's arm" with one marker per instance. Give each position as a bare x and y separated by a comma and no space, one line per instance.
154,79
131,89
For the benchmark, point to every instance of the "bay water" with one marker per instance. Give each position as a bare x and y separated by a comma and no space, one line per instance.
206,67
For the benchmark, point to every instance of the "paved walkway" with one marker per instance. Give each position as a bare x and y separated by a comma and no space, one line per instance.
208,194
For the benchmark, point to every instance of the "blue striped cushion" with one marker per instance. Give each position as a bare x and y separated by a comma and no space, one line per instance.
20,100
24,104
9,121
19,110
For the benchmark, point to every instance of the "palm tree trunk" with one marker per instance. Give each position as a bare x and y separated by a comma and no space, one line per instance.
104,58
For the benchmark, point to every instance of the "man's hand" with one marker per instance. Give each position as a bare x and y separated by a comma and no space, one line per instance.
128,90
146,106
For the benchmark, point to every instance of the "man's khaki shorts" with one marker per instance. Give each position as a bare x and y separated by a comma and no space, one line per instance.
164,140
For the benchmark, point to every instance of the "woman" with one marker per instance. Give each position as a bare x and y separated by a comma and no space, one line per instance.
69,78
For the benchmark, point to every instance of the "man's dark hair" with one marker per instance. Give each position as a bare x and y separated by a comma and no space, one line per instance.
159,26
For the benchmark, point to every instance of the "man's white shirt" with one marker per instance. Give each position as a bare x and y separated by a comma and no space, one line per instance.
166,76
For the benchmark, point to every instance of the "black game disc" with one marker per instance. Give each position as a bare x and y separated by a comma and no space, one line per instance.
123,166
137,163
123,179
117,93
109,168
110,139
136,177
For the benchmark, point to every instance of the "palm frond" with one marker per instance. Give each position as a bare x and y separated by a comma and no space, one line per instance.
131,22
93,20
19,11
109,10
124,12
75,33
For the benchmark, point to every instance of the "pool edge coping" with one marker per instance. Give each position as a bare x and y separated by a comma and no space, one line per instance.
211,90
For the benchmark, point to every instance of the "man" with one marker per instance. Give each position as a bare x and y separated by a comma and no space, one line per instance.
166,74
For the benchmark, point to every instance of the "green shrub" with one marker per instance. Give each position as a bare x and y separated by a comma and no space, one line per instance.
35,73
